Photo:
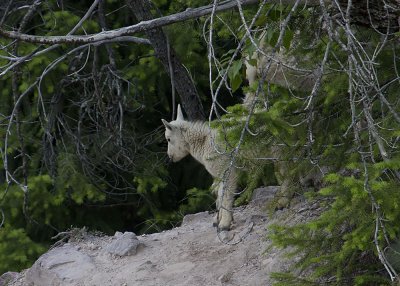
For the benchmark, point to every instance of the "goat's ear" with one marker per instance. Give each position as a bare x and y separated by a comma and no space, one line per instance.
179,116
167,124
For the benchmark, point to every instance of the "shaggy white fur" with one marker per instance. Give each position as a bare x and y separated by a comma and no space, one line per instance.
199,140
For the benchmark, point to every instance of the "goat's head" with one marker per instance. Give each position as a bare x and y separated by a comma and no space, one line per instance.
177,146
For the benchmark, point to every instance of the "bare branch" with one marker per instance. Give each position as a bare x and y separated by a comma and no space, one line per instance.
140,27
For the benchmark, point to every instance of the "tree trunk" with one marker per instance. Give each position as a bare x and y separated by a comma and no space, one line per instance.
182,80
383,15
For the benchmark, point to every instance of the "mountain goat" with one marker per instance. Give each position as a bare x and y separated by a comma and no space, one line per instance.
199,140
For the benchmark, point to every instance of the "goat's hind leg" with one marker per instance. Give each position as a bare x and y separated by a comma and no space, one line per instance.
216,189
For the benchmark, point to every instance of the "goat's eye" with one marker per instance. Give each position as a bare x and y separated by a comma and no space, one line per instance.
169,140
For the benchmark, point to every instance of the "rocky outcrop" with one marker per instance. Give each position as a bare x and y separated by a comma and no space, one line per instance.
125,244
192,254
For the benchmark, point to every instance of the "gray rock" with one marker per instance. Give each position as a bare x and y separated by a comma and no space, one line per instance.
8,277
264,194
125,244
118,234
60,266
194,218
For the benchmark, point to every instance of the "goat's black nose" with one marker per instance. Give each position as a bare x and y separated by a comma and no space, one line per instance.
168,160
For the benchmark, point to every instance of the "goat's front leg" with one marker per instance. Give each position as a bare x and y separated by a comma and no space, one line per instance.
226,193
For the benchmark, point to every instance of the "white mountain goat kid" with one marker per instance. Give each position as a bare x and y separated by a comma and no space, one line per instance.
199,140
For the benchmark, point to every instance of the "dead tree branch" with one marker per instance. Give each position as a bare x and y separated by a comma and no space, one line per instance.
140,27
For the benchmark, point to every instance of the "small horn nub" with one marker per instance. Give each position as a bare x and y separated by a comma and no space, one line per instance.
167,124
179,115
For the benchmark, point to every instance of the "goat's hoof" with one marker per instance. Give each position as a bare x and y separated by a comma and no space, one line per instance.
224,228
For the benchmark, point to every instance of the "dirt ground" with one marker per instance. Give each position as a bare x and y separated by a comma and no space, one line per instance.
192,254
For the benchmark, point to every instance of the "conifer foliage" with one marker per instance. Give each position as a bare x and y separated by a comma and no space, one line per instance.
338,127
